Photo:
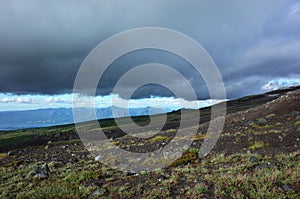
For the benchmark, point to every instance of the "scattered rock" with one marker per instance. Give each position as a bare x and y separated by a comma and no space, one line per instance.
10,153
49,142
47,147
45,167
297,118
96,192
40,175
268,165
261,122
39,172
129,173
99,158
286,188
253,159
161,178
295,114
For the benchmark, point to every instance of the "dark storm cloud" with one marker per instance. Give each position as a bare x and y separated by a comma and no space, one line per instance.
42,43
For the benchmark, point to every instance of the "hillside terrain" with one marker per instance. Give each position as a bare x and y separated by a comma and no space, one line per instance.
257,156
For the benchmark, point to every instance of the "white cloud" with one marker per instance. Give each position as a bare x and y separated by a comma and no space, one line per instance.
55,100
26,100
10,102
281,83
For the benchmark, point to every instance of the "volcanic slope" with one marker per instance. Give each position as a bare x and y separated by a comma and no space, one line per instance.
256,156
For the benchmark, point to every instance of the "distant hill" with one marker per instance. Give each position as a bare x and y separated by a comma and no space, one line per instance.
12,120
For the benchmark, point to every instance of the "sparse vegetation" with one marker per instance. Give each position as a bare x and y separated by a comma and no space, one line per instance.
257,145
158,138
232,177
193,150
171,130
186,158
200,137
243,164
264,127
3,155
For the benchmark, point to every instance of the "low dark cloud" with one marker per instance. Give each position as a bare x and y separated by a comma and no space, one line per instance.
44,43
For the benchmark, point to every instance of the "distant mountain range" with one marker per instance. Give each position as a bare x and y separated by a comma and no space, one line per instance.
11,120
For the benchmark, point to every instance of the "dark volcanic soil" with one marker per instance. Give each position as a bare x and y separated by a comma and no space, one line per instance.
267,124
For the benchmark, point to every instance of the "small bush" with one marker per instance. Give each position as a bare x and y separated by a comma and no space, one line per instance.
201,189
158,138
200,137
297,123
184,159
257,145
194,150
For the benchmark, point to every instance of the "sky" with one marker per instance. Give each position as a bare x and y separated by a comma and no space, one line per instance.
255,45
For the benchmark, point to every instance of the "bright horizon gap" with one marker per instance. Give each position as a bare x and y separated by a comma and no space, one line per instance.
12,102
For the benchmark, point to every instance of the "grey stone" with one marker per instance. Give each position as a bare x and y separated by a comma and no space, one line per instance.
38,169
286,188
96,192
161,178
261,122
39,172
268,165
250,123
297,118
47,147
129,172
295,114
45,168
253,159
99,158
10,153
40,175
